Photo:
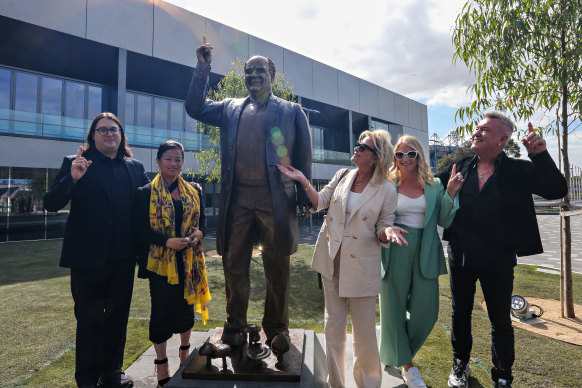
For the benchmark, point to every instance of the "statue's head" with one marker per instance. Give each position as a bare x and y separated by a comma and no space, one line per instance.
259,76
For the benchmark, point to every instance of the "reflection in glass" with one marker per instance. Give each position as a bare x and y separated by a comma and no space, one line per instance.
28,188
94,101
4,89
176,115
4,185
129,109
144,111
160,113
51,100
26,92
317,137
75,100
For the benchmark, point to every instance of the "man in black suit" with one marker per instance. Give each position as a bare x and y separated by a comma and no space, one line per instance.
100,182
495,223
257,202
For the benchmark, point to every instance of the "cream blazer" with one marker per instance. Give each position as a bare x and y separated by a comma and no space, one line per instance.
360,263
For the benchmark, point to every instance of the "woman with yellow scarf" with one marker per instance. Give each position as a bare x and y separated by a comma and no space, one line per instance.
169,224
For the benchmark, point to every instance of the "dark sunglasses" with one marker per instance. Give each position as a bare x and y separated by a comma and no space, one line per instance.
410,154
362,147
104,130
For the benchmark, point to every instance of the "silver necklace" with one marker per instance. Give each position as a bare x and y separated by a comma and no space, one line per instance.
481,175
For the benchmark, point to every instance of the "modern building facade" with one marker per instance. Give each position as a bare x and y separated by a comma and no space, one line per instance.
64,61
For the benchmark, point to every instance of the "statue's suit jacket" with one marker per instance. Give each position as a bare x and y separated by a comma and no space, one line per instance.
288,141
357,238
440,210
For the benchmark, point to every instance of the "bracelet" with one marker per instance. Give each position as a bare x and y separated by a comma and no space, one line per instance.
308,186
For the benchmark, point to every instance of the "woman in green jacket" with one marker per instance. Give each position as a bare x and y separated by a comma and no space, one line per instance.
411,265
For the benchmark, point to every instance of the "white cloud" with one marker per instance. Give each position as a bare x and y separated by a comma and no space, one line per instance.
404,46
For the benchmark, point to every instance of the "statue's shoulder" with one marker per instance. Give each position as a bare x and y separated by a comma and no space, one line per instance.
235,102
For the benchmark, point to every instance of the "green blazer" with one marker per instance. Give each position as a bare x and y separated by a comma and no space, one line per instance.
439,210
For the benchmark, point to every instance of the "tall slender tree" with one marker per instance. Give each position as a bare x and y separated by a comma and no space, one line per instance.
526,56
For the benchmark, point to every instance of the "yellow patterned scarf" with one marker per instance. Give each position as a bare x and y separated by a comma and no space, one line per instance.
162,260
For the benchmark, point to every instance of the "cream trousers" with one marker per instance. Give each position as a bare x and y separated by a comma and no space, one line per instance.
367,369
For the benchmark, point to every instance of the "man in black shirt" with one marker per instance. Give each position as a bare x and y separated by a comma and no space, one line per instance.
100,183
495,223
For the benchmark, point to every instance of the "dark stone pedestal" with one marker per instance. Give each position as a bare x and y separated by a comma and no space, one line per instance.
295,370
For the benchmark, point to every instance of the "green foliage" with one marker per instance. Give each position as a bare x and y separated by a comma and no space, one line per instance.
526,56
512,148
231,86
462,152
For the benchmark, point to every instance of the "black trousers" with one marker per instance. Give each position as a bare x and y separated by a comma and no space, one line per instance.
102,299
251,218
497,288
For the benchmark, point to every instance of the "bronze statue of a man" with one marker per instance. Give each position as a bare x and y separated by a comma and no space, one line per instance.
257,203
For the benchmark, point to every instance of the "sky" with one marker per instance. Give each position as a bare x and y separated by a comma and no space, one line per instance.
402,45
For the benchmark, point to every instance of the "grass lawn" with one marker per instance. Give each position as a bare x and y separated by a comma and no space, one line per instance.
37,325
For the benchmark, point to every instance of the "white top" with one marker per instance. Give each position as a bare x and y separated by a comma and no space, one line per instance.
352,199
410,211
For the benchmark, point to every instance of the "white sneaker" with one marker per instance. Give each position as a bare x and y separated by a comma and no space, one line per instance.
412,378
459,377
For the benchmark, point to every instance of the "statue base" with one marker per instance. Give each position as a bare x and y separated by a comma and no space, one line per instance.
240,367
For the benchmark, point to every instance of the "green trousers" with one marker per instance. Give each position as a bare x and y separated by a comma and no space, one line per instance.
409,303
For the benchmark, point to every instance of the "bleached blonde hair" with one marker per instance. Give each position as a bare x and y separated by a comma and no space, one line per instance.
384,153
423,173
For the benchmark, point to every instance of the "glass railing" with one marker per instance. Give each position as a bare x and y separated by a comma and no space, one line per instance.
331,157
45,125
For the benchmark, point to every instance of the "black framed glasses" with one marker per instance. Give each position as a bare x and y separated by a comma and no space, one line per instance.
104,130
410,154
362,147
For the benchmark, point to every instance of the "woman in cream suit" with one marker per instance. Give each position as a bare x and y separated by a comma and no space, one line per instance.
409,300
361,206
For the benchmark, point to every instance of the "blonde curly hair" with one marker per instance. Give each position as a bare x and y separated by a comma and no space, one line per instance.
422,167
384,152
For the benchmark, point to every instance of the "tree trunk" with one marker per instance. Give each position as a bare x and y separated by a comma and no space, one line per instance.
562,271
567,234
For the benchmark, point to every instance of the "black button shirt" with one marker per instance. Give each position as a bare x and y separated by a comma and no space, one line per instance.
118,186
480,230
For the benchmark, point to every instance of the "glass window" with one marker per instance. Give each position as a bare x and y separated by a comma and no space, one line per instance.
26,92
129,109
176,115
191,125
75,100
94,101
317,136
52,90
144,111
4,89
160,113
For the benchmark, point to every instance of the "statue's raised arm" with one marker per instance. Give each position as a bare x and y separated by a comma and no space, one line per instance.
204,52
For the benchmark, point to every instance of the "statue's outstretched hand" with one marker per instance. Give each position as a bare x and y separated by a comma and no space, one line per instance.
204,52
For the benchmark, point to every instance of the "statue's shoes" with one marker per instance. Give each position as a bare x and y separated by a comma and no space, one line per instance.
233,338
280,343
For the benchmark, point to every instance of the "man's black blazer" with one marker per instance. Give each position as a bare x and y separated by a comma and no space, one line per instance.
88,230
